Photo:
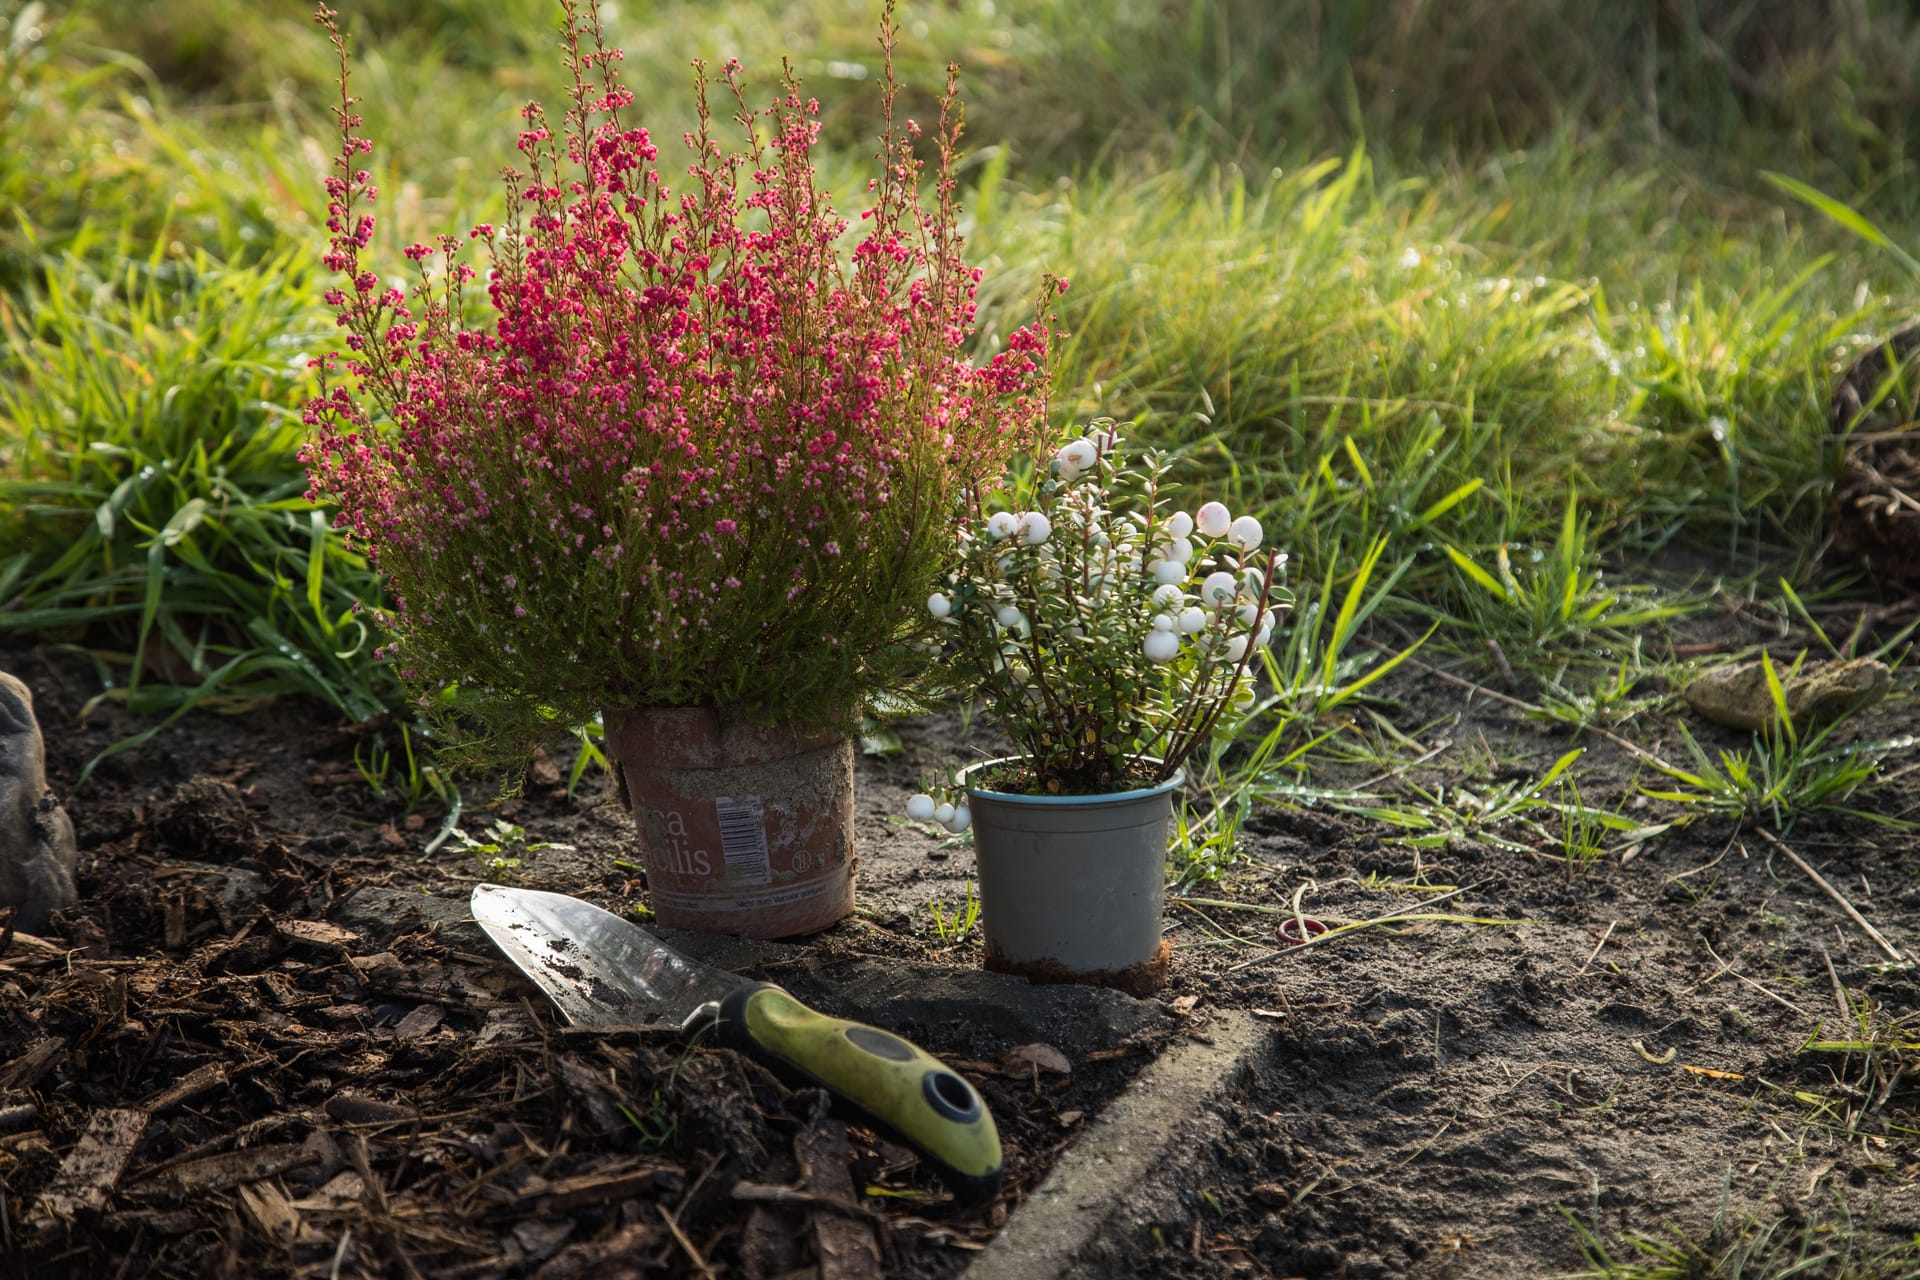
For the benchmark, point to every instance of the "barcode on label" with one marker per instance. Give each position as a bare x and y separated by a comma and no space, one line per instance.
743,839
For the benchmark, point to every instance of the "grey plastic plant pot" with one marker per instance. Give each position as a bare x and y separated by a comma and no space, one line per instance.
1072,887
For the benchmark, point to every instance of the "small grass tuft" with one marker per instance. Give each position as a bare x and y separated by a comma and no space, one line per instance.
1835,1244
955,926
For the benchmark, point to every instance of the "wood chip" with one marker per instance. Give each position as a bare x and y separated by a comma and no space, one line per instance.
541,1238
542,1198
26,945
542,771
769,1245
591,1091
25,1071
626,1255
92,1168
1024,1059
343,1193
268,1208
421,1022
316,932
351,1108
223,1172
845,1246
196,1082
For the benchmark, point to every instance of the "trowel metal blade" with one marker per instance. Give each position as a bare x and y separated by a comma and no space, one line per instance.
600,970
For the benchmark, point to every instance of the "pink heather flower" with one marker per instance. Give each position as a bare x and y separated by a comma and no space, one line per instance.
641,362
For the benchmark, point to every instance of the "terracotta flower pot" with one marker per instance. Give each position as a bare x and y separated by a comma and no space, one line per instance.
1072,887
743,829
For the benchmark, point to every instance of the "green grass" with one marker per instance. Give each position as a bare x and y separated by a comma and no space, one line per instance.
152,506
1476,358
956,924
1837,1243
1372,358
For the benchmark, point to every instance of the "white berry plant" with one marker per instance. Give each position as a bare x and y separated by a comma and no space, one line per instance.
1107,633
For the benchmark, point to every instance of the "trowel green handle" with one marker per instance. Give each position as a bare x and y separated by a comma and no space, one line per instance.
896,1083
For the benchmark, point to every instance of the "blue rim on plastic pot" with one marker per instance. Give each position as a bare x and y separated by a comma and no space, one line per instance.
1179,779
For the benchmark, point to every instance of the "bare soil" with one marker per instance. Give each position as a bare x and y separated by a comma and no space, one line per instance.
207,1073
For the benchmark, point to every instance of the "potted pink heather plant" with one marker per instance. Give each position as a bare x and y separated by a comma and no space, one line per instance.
690,465
1109,635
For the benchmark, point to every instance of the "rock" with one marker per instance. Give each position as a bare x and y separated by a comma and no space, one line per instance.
37,850
1819,694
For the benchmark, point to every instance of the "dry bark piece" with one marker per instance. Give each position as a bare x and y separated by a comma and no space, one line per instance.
351,1108
25,1071
316,932
421,1022
95,1164
625,1255
343,1193
591,1091
222,1172
769,1245
541,770
541,1238
269,1209
1025,1059
845,1246
196,1082
542,1197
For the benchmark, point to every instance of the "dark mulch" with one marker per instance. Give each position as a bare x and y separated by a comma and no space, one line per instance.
225,1064
202,1075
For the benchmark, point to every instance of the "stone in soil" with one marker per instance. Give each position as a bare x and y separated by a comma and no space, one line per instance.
37,850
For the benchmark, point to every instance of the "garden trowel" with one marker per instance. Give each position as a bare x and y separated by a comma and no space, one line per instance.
602,970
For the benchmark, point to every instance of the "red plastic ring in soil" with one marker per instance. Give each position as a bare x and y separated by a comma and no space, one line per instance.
1290,929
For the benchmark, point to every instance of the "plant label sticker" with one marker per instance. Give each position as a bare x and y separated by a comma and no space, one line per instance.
743,839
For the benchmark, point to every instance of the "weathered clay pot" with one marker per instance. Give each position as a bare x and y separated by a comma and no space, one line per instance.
1072,887
743,829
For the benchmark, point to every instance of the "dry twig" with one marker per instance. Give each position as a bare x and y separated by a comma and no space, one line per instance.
1611,926
1892,952
1341,932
